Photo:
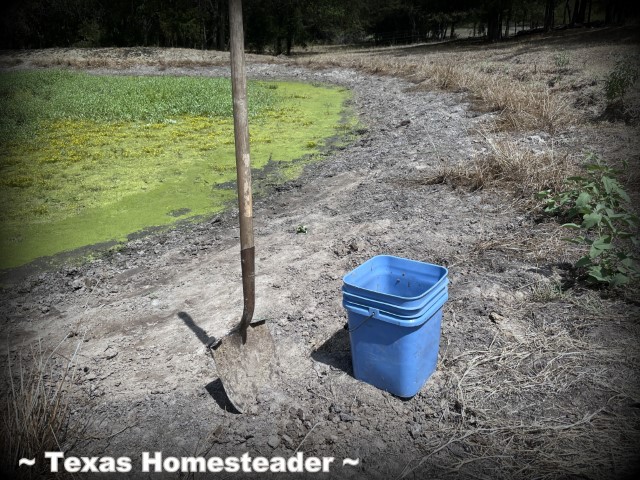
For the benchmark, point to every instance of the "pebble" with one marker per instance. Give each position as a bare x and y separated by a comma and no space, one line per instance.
288,441
379,444
347,417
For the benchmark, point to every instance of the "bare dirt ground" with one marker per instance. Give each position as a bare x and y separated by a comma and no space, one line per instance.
536,377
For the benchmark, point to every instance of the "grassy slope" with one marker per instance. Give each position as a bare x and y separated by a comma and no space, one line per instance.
88,159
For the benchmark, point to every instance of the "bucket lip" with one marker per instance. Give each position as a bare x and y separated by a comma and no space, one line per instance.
401,320
405,311
443,277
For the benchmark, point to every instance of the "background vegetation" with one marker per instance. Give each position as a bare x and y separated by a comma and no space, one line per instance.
279,25
125,153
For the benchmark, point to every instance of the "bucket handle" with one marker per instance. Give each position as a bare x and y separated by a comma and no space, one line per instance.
373,312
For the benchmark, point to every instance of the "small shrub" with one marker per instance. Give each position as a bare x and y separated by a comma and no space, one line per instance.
596,205
620,79
561,60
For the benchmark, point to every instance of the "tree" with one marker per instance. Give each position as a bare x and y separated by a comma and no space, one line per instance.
549,15
494,16
579,12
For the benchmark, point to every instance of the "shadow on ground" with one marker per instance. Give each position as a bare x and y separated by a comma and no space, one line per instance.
215,389
335,352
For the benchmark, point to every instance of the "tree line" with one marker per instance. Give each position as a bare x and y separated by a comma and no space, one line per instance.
277,26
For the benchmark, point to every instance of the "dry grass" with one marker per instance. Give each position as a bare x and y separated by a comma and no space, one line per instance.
509,165
36,412
528,105
122,59
537,245
521,106
518,408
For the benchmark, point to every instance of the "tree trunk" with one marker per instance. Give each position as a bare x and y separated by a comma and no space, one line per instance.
506,30
549,15
494,24
610,12
220,30
576,6
278,46
289,43
582,12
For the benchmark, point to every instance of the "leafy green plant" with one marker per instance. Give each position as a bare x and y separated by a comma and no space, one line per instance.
596,205
561,60
620,79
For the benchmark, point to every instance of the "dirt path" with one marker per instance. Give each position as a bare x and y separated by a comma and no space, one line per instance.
517,374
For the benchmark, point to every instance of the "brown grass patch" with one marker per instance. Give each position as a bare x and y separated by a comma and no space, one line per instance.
522,105
538,245
486,426
510,166
36,412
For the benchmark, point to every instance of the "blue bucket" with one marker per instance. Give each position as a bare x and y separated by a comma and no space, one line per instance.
396,281
394,308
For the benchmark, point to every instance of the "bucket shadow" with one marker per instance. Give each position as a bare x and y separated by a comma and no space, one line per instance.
335,352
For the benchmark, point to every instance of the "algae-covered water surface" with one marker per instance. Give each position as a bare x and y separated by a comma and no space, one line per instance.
86,159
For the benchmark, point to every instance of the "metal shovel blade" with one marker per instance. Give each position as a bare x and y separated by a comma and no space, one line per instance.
245,368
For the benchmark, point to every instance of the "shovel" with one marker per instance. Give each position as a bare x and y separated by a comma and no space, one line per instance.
244,357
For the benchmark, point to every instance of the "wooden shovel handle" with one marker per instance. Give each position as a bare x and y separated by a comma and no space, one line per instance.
243,161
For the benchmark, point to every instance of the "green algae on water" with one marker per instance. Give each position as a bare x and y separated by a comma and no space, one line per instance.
126,153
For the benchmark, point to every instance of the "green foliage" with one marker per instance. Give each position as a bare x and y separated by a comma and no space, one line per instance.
598,208
620,79
30,97
86,159
561,60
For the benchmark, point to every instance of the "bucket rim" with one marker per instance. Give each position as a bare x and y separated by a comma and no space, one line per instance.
348,284
412,310
403,321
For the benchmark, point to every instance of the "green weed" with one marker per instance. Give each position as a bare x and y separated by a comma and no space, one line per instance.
596,205
561,60
620,79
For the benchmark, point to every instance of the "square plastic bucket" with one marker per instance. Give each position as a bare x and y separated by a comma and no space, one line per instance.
405,284
392,351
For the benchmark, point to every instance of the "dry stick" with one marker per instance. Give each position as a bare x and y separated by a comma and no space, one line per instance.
109,437
475,459
305,437
525,429
423,459
313,392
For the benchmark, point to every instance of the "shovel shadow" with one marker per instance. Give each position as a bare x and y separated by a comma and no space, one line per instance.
202,335
215,389
335,352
